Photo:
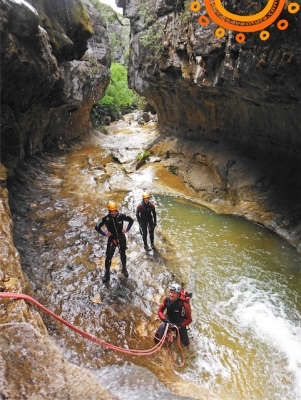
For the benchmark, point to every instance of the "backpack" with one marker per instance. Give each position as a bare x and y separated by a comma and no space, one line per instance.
185,296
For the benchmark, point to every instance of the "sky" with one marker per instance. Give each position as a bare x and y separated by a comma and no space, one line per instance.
113,5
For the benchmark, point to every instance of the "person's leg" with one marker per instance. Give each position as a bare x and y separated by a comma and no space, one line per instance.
184,337
122,247
143,227
151,235
159,333
109,254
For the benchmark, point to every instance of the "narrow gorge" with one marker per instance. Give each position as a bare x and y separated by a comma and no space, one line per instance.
221,132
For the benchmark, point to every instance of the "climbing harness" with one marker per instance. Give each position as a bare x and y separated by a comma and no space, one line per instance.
116,241
94,338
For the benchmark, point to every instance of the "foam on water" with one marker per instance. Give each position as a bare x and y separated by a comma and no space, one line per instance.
264,313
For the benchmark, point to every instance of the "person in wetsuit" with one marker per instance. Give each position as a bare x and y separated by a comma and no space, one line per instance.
147,219
177,313
116,237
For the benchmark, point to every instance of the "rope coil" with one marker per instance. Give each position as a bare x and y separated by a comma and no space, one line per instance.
133,352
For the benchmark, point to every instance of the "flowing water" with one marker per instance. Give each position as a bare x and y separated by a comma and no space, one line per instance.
246,281
246,303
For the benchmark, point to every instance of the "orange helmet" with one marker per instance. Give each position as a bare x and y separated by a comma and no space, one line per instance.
145,195
112,206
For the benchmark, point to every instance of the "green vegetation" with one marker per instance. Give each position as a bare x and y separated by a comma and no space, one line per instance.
151,36
153,33
119,99
143,155
186,13
107,12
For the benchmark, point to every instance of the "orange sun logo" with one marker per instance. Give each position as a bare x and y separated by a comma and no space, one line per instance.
239,23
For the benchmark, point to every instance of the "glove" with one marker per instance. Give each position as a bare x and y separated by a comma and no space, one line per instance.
166,320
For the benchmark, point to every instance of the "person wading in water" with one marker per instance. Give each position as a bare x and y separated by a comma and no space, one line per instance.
147,219
178,313
116,237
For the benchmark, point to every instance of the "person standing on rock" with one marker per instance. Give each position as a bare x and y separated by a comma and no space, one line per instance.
147,219
116,237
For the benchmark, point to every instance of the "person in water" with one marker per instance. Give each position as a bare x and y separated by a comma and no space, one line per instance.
116,237
147,219
178,313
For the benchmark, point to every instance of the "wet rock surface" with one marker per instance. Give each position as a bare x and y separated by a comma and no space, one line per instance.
55,216
230,182
32,366
52,72
61,222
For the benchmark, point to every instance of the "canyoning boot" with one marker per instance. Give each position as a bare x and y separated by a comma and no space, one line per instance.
124,271
106,276
153,246
147,248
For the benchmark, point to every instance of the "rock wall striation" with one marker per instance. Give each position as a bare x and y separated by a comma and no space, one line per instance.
203,86
54,66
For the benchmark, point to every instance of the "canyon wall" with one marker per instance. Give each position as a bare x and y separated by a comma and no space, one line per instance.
54,66
52,72
208,87
32,366
228,104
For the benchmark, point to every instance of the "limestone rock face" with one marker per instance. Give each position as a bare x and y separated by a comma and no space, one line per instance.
204,86
117,28
50,78
31,365
98,46
120,40
52,72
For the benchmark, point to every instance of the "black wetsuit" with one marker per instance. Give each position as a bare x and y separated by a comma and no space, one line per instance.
147,219
114,225
178,313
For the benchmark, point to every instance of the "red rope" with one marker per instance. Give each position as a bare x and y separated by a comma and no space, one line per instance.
180,347
88,335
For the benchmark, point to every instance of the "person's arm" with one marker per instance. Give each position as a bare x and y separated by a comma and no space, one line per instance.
138,214
130,222
154,214
188,319
162,307
98,227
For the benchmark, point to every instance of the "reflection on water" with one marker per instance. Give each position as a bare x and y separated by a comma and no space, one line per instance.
245,282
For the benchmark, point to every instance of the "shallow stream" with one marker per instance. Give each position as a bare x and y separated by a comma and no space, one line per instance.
246,281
